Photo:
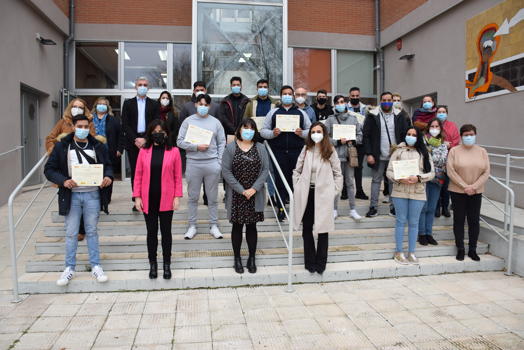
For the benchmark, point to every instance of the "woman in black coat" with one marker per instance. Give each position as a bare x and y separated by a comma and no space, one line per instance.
167,113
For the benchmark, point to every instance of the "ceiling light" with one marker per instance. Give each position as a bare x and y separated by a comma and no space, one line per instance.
126,56
163,55
248,54
241,60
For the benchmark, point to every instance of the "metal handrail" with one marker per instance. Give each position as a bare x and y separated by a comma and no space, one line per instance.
508,230
13,225
504,148
289,215
11,150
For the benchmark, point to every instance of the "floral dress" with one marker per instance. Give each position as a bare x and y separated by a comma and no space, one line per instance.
246,168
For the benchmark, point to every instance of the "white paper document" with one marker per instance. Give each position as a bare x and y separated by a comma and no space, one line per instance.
198,136
287,123
403,169
87,174
341,131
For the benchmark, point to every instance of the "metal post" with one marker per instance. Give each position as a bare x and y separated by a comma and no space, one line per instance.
507,183
510,237
290,246
12,243
123,165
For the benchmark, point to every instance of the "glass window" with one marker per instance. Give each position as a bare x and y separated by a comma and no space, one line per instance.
148,60
182,66
355,68
312,69
96,65
239,40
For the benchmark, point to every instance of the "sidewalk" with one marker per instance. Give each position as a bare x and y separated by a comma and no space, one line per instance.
461,311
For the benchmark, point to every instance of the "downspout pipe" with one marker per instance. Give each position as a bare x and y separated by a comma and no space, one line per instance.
67,43
378,50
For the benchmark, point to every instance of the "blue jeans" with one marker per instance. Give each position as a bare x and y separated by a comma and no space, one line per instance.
88,205
407,211
425,224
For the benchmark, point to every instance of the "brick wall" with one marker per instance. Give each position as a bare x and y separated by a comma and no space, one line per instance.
393,10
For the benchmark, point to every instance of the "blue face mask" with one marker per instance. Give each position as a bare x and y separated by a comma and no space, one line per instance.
386,106
247,134
235,89
340,108
262,92
427,105
101,108
287,99
442,116
469,140
81,133
202,110
142,90
411,140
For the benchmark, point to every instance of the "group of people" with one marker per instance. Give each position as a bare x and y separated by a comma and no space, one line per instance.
222,142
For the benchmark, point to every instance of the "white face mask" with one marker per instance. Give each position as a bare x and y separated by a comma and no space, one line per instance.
164,102
300,100
77,111
198,93
434,132
316,137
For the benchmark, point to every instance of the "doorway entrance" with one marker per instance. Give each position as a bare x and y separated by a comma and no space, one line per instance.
30,135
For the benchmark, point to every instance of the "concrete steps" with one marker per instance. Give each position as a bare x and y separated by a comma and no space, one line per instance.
266,275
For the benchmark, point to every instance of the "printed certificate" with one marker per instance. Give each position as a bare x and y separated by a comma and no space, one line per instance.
260,122
287,123
403,169
198,136
87,174
348,132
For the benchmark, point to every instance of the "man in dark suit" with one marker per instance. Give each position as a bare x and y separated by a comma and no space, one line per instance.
137,113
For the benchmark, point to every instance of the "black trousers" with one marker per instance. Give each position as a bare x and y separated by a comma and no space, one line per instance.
251,238
313,258
465,206
132,156
358,170
443,201
287,160
152,219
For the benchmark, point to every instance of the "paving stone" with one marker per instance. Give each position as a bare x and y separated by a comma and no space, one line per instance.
154,336
157,321
417,332
62,310
7,339
159,308
381,305
81,323
263,330
191,305
460,312
511,323
128,308
15,325
115,322
384,336
192,334
133,297
37,341
476,343
102,298
75,339
229,332
261,315
301,327
341,325
352,339
506,341
370,321
277,343
192,319
482,326
293,312
115,337
233,345
91,309
311,342
193,346
167,346
451,329
50,324
435,345
227,317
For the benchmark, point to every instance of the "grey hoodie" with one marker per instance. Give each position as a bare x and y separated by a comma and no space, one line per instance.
344,119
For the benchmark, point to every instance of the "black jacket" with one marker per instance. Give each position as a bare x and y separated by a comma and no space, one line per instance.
114,140
173,124
130,118
56,170
372,129
227,115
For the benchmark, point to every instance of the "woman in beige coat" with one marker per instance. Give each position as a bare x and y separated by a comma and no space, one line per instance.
317,179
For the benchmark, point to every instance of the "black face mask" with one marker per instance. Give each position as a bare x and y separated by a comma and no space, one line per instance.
322,101
354,101
158,137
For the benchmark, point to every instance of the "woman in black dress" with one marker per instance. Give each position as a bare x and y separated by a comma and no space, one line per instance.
245,169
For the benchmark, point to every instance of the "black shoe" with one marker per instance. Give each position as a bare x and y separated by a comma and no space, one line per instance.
423,240
320,270
167,271
134,209
431,240
269,200
460,254
153,270
473,255
361,195
372,212
437,213
251,267
311,269
238,265
392,211
281,215
445,212
344,194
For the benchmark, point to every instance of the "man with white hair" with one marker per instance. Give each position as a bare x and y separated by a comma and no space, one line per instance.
137,113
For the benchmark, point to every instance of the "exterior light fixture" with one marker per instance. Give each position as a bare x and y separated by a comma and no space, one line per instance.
44,41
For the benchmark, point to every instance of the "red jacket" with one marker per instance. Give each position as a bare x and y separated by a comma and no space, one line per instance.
171,178
452,133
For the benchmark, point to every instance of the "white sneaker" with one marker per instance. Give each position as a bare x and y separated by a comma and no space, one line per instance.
99,274
335,214
354,215
66,276
191,232
215,232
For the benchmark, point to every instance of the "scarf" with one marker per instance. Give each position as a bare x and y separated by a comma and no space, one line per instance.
424,116
164,110
100,124
434,142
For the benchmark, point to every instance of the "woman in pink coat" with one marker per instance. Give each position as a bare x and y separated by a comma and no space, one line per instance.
157,189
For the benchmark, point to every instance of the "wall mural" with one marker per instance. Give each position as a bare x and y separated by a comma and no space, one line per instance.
495,51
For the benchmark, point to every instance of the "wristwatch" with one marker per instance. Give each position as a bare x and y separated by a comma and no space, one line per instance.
419,178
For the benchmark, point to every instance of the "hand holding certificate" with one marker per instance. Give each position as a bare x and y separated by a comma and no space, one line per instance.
403,169
341,131
87,174
260,122
198,136
287,123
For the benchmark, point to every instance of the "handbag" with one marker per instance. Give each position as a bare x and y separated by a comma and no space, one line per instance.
352,156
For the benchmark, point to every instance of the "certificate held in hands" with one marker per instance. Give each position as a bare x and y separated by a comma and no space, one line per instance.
287,123
198,136
260,122
402,169
87,174
341,131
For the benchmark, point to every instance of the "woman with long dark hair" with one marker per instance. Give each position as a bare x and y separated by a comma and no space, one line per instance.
409,194
317,180
157,189
167,114
245,165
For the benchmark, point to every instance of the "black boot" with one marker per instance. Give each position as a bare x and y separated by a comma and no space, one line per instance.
153,270
361,195
167,271
437,213
251,267
460,254
445,212
344,194
423,240
473,255
238,265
